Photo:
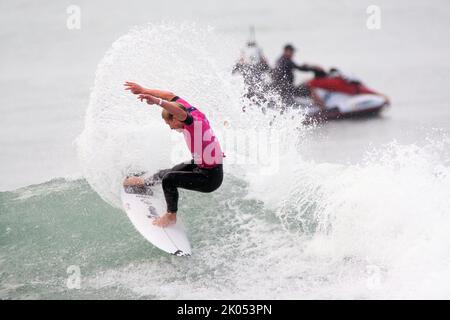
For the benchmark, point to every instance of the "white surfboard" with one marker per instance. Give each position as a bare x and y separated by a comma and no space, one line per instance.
142,209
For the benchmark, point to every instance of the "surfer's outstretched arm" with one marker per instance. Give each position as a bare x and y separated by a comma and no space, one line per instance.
138,89
166,95
172,107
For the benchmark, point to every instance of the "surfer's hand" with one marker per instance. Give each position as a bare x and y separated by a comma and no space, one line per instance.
134,87
149,98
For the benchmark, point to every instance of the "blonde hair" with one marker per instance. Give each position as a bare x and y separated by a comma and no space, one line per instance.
166,115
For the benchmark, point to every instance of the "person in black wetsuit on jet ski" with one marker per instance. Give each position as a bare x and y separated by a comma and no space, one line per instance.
283,76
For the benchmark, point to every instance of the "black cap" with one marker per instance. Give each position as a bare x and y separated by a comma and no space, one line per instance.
289,47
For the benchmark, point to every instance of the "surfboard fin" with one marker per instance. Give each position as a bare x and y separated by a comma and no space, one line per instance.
180,253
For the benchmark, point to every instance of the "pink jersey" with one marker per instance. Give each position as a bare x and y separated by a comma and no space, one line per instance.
200,138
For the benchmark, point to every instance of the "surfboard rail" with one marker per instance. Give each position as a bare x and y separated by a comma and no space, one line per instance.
142,207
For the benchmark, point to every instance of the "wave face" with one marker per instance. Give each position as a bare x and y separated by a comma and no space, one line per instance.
375,229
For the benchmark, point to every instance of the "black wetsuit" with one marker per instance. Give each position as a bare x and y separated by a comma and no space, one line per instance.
283,78
187,176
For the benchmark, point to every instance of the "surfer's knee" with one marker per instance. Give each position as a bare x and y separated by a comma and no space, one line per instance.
168,179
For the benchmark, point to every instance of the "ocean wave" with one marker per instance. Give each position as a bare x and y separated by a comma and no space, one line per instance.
307,229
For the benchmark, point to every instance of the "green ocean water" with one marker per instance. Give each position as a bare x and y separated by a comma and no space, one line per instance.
48,227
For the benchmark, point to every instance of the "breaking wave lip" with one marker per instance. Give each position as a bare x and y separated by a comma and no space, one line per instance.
122,134
112,141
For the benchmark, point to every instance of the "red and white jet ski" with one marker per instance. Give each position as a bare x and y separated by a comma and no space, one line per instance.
336,96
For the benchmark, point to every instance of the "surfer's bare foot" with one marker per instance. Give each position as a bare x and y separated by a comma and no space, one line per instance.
165,220
133,181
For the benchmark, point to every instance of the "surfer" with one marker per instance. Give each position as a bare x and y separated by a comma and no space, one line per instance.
204,173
